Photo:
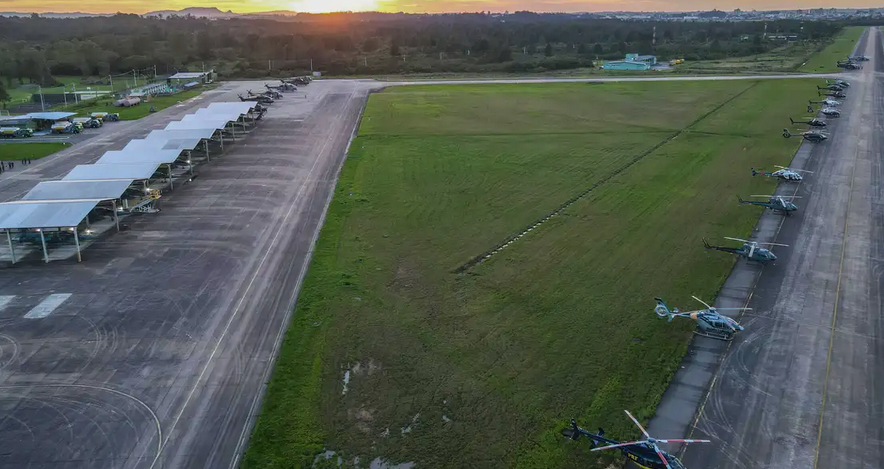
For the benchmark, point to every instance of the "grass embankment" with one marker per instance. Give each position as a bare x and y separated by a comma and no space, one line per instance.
139,111
17,151
843,45
481,369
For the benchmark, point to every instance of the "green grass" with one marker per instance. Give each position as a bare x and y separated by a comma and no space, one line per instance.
24,92
843,45
558,324
135,112
17,151
780,60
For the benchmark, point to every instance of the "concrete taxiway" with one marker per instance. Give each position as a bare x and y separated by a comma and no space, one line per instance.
153,353
799,388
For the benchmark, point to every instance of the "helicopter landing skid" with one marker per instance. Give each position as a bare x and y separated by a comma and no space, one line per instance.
712,335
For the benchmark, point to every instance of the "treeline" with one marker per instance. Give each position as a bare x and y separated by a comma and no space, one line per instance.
34,49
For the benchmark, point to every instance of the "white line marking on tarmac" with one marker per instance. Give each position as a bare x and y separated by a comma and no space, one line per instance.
4,301
47,306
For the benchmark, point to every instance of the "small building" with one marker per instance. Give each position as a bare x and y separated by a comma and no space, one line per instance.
632,62
180,78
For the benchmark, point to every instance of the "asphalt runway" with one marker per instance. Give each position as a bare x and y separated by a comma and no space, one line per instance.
799,388
154,352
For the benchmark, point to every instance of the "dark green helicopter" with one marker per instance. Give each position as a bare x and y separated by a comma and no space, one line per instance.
774,202
751,250
644,453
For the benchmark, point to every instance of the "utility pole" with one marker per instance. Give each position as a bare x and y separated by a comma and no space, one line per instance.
42,104
311,65
154,71
111,78
64,92
135,75
74,87
365,59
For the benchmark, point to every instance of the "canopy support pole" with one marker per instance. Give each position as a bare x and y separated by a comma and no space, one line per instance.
233,130
221,134
116,217
207,151
43,243
171,184
11,248
77,242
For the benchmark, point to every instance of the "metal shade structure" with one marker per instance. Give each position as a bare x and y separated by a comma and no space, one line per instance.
232,115
50,116
95,172
196,124
242,107
205,134
79,190
163,144
139,155
19,215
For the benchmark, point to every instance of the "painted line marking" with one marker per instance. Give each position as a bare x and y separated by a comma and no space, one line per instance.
5,300
47,306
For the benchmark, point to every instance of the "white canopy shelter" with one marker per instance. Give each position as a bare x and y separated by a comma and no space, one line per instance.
242,107
139,155
108,189
94,172
40,215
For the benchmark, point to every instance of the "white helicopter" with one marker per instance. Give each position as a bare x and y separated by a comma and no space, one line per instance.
784,173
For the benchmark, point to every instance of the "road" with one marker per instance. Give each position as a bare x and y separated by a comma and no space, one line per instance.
800,387
154,352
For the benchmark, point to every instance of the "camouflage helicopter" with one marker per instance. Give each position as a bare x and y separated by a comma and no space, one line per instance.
644,453
813,136
750,250
827,102
774,202
831,87
857,58
784,173
260,99
813,122
830,112
849,65
833,94
709,322
273,93
841,83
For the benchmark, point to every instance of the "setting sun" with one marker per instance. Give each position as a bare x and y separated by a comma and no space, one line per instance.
330,6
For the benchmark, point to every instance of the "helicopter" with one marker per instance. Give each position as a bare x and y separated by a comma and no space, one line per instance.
644,453
774,202
709,322
750,250
830,112
272,93
841,83
833,94
827,102
810,135
849,65
784,173
813,122
831,87
261,99
857,58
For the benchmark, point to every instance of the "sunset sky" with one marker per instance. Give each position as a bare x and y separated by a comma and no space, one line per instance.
419,6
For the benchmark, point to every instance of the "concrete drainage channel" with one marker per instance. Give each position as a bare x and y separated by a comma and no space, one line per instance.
512,239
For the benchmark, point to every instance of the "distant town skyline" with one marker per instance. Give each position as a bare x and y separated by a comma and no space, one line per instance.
421,6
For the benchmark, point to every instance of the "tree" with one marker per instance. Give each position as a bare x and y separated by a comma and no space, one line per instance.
581,48
394,49
4,96
597,49
505,55
548,51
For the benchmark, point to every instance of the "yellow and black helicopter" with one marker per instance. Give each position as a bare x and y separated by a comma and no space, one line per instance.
644,453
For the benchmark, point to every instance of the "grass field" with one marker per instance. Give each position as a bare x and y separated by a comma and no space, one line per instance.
17,151
136,112
826,60
24,92
482,368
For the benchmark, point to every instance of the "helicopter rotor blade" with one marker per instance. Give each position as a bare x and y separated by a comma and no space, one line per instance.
683,441
662,457
738,239
752,247
733,309
640,427
775,244
703,302
618,445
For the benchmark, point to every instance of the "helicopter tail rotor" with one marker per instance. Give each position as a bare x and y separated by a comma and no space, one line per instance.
662,310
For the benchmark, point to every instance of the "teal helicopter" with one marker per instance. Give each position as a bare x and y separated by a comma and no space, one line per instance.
777,203
840,83
750,250
709,322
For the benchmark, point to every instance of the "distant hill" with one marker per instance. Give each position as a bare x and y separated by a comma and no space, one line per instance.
208,12
73,14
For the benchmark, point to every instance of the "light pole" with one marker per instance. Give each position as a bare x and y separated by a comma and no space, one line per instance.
42,104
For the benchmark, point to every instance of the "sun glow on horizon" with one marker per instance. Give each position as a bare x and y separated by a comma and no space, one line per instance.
333,6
